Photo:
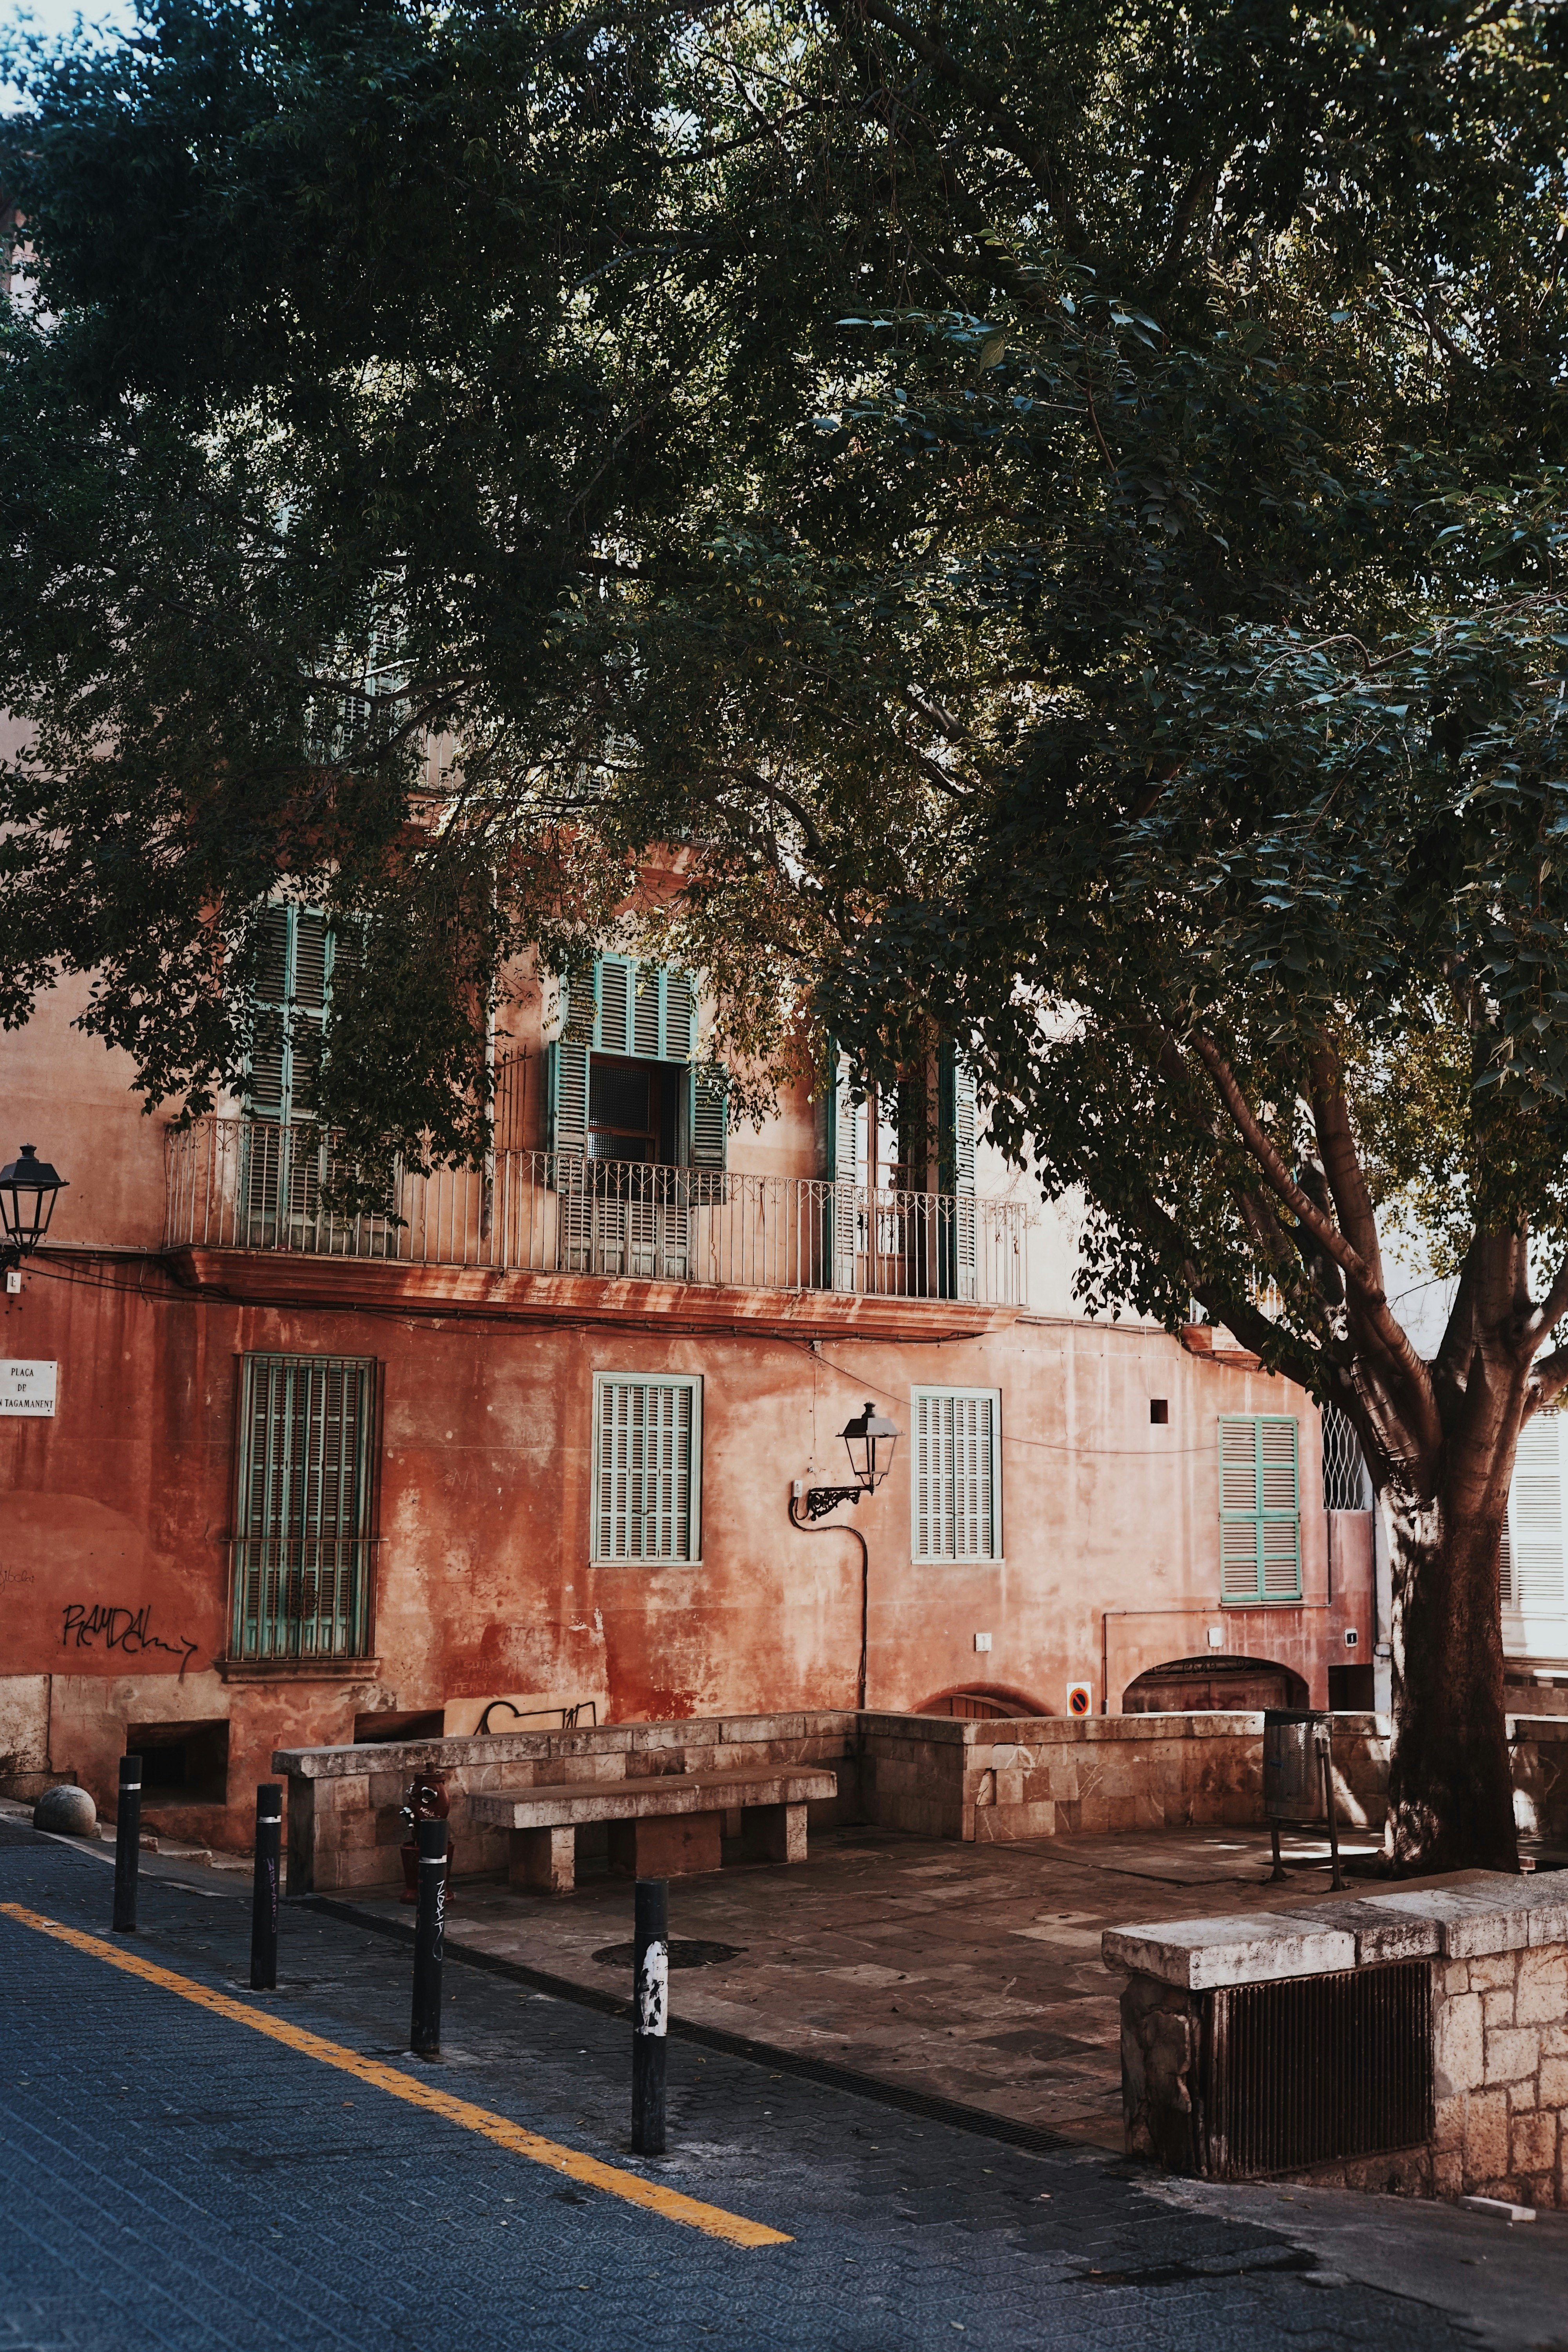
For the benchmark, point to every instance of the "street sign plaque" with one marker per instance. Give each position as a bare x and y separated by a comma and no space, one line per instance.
28,1387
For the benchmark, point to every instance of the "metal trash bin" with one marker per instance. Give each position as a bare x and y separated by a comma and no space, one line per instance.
1297,1776
1292,1779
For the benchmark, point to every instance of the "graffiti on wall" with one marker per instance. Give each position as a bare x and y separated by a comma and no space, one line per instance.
129,1630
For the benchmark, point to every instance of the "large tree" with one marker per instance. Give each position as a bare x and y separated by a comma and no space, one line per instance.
1048,506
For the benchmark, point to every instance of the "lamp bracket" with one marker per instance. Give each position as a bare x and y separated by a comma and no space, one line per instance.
818,1501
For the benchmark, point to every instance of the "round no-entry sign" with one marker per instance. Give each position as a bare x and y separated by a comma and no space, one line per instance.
1080,1697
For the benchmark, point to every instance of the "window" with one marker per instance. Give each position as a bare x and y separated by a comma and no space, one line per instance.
286,1161
647,1468
632,1111
625,1084
1346,1487
1530,1568
956,1502
1260,1509
901,1163
303,1516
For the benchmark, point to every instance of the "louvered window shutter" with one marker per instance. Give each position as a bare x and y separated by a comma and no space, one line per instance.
1259,1508
267,1091
845,1208
644,1012
959,1232
707,1119
1533,1564
566,1078
956,1109
646,1452
954,1478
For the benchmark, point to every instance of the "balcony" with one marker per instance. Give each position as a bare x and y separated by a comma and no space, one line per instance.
538,1233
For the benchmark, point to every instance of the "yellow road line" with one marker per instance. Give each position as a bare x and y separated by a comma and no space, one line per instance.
668,2203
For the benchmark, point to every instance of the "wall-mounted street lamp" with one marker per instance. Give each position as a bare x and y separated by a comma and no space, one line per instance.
27,1189
869,1440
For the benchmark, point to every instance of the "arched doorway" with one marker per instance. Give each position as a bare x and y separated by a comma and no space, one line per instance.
1213,1685
981,1705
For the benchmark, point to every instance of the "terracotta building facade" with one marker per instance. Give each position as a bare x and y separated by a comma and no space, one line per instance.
522,1442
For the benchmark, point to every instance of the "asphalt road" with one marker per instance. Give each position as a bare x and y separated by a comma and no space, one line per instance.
174,2177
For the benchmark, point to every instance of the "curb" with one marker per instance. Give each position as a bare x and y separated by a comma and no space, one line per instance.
733,2046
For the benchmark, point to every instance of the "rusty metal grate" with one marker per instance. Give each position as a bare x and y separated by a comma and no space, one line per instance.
1316,2068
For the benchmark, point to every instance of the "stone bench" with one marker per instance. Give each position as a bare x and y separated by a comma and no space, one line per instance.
664,1827
1468,1975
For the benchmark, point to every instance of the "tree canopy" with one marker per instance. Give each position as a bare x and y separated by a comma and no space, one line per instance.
765,429
1050,513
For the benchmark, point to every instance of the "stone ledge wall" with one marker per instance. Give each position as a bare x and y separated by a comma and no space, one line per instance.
932,1776
344,1803
1055,1776
1497,1950
1500,2075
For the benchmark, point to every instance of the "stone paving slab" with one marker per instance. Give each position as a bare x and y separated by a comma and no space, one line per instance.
969,1973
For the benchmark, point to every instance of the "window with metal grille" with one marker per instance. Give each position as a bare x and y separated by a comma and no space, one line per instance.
1346,1487
647,1468
956,1502
302,1541
1259,1508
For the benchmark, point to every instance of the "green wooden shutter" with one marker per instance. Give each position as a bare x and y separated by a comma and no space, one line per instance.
647,1436
1259,1508
959,1224
644,1012
566,1076
954,1497
844,1142
708,1116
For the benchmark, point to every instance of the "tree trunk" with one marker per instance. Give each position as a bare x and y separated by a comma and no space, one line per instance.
1450,1789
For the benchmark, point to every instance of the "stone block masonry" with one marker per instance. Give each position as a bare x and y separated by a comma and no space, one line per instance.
1498,1951
992,1781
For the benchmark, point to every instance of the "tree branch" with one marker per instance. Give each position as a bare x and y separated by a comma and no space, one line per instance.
1038,158
1549,1379
1341,1161
1367,1287
1552,1310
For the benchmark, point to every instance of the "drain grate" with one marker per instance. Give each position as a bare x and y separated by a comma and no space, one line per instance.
1318,2067
682,1954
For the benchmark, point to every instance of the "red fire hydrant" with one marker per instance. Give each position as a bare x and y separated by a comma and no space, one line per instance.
425,1800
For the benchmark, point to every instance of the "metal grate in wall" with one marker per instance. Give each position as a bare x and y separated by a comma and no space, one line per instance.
1318,2068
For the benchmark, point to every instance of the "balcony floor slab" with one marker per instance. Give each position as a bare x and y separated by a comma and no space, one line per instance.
290,1279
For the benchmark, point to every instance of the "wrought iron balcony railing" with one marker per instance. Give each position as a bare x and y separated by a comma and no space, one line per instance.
249,1184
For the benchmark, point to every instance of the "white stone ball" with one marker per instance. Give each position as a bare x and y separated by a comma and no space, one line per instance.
68,1811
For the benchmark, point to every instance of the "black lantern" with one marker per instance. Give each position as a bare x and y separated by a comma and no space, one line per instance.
28,1189
869,1440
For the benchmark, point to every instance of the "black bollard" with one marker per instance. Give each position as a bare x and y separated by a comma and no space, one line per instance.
127,1845
429,1931
1325,1751
650,2013
264,1892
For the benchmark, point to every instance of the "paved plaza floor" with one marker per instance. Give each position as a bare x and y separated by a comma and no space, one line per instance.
969,1973
190,2165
